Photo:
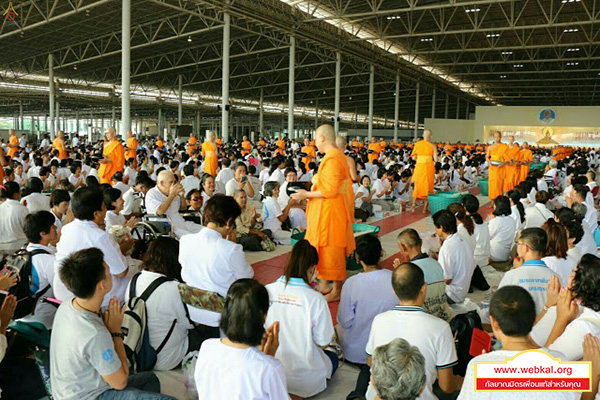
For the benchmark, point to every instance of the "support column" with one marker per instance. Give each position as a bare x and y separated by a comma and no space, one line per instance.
447,103
225,89
113,118
21,121
467,110
261,114
57,116
338,84
291,86
396,108
316,115
51,95
417,110
457,107
371,100
433,105
90,127
77,122
125,68
180,102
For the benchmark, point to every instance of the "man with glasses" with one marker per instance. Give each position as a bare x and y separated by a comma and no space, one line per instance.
529,271
297,214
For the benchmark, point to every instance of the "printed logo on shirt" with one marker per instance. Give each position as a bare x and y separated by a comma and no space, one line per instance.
288,299
109,356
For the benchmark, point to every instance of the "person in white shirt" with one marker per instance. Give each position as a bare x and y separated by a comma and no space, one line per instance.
433,338
117,182
263,176
167,199
87,231
76,178
297,212
556,256
580,194
241,365
208,188
191,181
169,327
530,271
383,188
41,232
574,236
517,210
113,200
303,313
481,255
502,230
571,313
59,206
225,174
75,141
277,170
273,215
591,184
12,218
239,181
130,173
465,227
587,244
133,198
538,214
455,257
34,200
512,314
222,262
45,142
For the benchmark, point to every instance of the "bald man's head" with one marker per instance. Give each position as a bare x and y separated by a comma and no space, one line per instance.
408,282
427,134
341,142
327,132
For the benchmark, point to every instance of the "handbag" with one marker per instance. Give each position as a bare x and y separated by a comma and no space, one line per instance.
267,244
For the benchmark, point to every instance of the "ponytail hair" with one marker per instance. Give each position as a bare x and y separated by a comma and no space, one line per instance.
515,196
471,204
461,214
8,190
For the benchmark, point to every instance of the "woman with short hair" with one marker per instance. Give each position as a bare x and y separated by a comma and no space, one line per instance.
556,257
502,230
247,228
273,215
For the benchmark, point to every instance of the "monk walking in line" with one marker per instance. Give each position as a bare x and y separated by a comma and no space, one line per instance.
210,152
329,226
526,159
131,147
114,157
495,157
511,169
373,150
191,144
425,154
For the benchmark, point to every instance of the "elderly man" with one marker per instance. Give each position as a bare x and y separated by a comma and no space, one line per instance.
329,219
167,199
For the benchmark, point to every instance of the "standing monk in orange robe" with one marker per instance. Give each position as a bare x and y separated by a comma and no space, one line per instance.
425,154
494,157
246,146
159,144
329,226
131,147
3,163
13,143
310,153
526,159
376,149
280,146
114,157
210,152
191,145
511,169
59,144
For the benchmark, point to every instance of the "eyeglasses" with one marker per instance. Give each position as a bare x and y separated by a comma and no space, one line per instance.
196,198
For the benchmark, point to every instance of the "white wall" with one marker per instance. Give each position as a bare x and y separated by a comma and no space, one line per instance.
451,130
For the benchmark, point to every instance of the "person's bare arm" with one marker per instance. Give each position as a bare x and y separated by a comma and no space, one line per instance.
446,380
113,319
173,192
566,311
3,162
285,211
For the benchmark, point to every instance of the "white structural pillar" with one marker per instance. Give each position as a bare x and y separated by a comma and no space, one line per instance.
261,114
51,95
417,110
316,114
57,116
291,86
371,100
433,105
447,103
125,68
225,89
397,108
338,89
180,102
457,107
21,120
113,117
77,122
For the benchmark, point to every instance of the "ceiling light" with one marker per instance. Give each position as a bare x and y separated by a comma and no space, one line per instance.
572,63
506,53
570,30
502,76
573,49
350,98
75,67
189,39
570,1
470,10
491,35
393,17
427,40
518,65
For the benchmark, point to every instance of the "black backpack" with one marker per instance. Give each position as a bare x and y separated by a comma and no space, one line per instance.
462,328
21,265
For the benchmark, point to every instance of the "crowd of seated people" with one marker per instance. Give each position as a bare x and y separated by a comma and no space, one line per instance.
279,340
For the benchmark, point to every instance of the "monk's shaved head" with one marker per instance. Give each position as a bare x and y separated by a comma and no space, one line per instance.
327,132
340,142
427,134
165,176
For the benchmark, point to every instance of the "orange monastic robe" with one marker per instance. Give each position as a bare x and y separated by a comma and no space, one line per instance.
246,147
191,145
160,144
116,152
13,150
376,147
526,157
280,147
310,154
329,222
132,143
211,158
424,175
511,171
495,173
60,146
261,144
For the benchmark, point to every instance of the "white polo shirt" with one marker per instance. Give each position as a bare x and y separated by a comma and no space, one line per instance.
481,255
430,334
190,183
537,215
271,212
305,318
502,236
79,235
155,198
210,262
12,218
458,264
561,266
224,372
121,186
36,202
132,202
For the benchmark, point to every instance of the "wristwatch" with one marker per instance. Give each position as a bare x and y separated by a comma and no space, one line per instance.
119,334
